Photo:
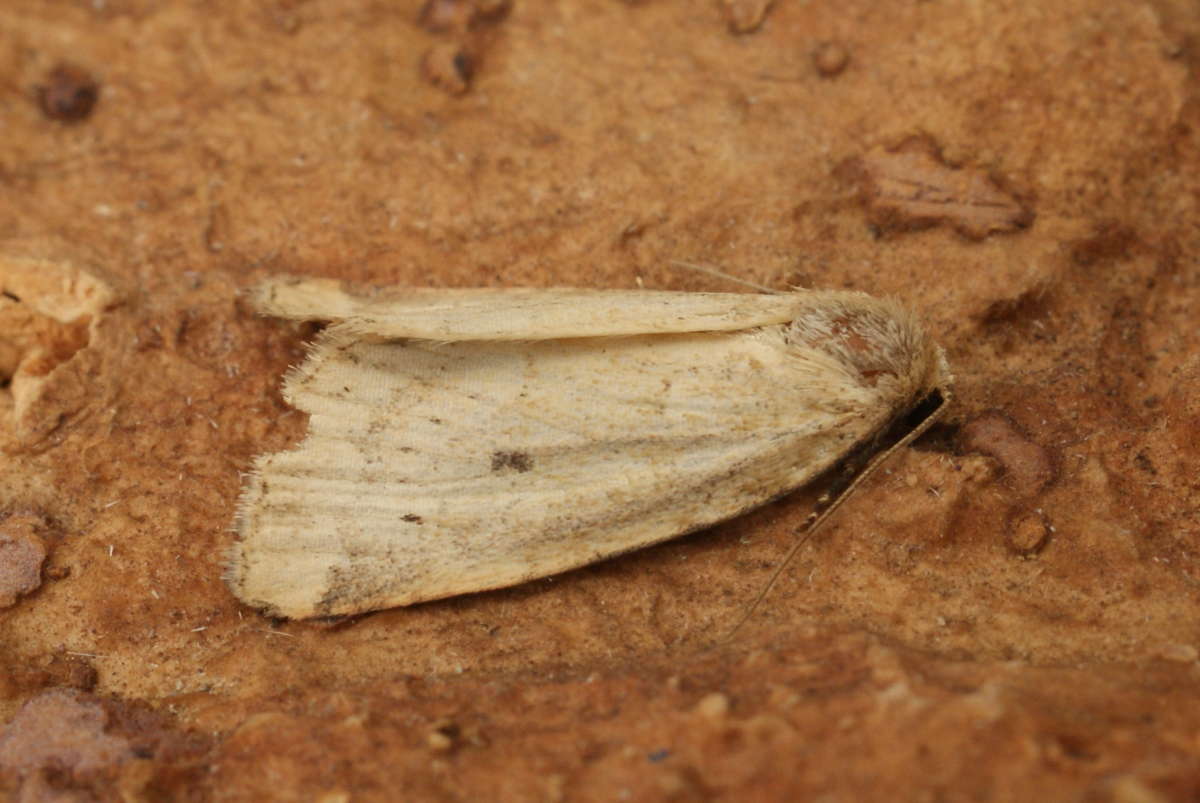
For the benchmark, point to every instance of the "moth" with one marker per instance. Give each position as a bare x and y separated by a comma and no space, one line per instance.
463,440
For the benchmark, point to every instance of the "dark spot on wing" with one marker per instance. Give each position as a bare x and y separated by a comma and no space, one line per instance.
413,517
517,461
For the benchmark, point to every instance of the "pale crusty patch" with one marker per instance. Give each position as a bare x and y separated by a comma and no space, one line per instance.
22,553
462,440
49,310
63,730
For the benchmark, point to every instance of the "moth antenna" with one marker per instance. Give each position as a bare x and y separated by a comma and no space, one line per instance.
816,519
722,275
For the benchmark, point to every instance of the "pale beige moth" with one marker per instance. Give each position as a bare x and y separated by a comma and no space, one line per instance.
463,440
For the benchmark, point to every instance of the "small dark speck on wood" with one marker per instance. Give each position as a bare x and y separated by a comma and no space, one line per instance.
68,95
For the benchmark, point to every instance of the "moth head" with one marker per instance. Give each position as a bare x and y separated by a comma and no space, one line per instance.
877,339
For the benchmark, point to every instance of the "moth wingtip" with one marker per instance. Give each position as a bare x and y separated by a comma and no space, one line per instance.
261,294
297,298
239,561
233,566
233,561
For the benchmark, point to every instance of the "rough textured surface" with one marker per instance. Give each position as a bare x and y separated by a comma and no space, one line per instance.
58,730
931,643
66,745
22,553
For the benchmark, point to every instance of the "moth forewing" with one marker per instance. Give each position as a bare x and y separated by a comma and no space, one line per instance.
452,315
452,461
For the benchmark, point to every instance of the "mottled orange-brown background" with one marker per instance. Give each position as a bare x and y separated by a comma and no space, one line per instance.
1007,612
